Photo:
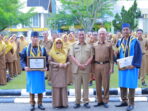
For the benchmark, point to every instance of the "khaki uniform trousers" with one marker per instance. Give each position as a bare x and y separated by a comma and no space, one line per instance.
92,73
9,67
15,68
32,98
81,79
48,75
3,79
69,75
131,95
19,66
60,97
142,69
146,64
102,80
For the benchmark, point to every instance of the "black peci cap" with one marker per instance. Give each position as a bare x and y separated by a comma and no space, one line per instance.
34,34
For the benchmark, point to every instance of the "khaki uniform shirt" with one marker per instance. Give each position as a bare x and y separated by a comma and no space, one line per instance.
47,45
142,44
82,53
103,52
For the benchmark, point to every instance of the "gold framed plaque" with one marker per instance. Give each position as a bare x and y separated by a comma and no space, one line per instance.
36,63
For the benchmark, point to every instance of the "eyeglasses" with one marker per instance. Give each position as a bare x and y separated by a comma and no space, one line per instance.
58,42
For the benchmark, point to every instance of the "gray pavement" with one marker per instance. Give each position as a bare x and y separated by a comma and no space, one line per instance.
139,106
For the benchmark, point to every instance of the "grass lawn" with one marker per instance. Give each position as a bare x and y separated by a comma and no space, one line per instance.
19,82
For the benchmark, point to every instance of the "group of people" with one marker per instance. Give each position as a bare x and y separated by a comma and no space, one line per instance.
10,47
79,59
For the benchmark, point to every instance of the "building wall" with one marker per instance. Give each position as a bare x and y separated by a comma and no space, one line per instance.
41,8
145,25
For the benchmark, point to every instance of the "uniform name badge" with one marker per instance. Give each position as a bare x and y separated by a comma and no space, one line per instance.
36,63
124,62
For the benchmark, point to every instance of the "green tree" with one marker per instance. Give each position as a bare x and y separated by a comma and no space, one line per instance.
82,12
10,14
56,21
127,16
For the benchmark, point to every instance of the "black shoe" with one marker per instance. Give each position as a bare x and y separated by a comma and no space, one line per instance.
86,105
106,105
49,83
99,104
90,83
11,78
122,104
64,106
76,106
130,107
41,107
69,84
59,107
46,78
32,108
2,84
144,84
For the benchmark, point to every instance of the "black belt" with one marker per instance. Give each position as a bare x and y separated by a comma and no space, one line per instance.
101,62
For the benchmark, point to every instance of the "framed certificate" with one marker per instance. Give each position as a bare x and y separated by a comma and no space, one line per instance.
124,62
36,63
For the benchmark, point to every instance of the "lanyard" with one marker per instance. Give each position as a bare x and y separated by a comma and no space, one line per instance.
126,46
35,54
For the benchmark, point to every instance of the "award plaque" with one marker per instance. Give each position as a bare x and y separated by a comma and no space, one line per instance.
36,63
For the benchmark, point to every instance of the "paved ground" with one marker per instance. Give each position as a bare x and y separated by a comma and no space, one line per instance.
139,106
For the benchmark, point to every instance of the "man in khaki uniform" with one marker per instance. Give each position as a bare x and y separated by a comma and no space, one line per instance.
54,35
47,44
81,55
92,40
142,68
103,67
18,56
146,56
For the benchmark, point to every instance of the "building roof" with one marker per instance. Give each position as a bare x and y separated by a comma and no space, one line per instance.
44,3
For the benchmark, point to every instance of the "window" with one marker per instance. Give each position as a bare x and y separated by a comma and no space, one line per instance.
36,20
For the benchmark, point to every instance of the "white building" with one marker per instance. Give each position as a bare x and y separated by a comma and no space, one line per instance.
39,22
